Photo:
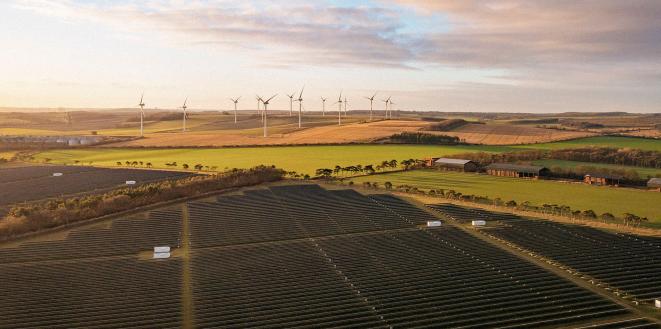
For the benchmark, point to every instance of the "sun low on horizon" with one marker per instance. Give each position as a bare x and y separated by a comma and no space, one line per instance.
468,56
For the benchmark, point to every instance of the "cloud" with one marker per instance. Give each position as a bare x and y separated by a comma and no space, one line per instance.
297,33
519,33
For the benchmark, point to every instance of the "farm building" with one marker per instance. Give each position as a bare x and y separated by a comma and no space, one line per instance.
602,179
515,170
654,183
456,164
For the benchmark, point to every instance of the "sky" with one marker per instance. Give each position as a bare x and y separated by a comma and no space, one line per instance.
429,55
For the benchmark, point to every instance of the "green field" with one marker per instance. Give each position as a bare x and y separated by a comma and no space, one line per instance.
604,141
642,172
303,159
576,195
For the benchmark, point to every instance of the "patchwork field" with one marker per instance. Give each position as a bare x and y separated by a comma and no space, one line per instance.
576,195
303,159
325,132
289,257
506,134
20,184
306,159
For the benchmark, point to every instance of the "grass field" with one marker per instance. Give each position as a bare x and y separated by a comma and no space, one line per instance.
578,196
604,141
303,159
642,172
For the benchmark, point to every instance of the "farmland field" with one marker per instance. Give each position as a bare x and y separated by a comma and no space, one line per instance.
288,257
304,159
602,141
642,171
507,134
31,183
576,195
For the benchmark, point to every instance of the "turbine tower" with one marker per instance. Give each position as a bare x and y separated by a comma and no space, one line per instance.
371,99
346,102
266,104
235,101
291,102
390,111
323,106
387,101
300,106
339,110
142,115
259,111
184,107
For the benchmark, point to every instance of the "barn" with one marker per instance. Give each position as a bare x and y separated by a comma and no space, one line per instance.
456,164
654,183
602,179
516,170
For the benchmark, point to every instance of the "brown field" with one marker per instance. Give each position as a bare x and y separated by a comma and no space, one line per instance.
504,134
327,134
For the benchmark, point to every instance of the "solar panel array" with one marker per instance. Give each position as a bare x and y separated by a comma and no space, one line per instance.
629,264
288,257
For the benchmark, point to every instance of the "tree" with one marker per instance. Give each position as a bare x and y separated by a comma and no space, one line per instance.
607,217
149,165
388,185
185,166
369,169
510,204
119,163
324,172
589,214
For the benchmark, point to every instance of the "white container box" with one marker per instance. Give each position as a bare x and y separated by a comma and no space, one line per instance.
161,255
657,303
433,223
57,174
479,223
162,249
130,182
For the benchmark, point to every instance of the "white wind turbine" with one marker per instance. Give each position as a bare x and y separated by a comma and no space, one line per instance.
184,107
291,102
235,101
346,102
259,111
266,104
142,115
323,106
339,109
300,106
371,99
387,101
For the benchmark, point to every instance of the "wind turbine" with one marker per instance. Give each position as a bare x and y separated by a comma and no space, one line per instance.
259,111
346,102
266,104
339,110
291,102
142,115
235,101
371,99
387,101
184,107
300,106
323,106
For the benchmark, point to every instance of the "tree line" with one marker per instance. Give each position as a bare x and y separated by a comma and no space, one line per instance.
628,219
25,218
423,138
339,171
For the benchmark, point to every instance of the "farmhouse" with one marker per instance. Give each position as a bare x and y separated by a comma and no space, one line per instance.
515,170
602,179
654,183
456,164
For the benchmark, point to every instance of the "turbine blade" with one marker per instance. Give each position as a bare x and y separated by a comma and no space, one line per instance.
301,94
272,97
